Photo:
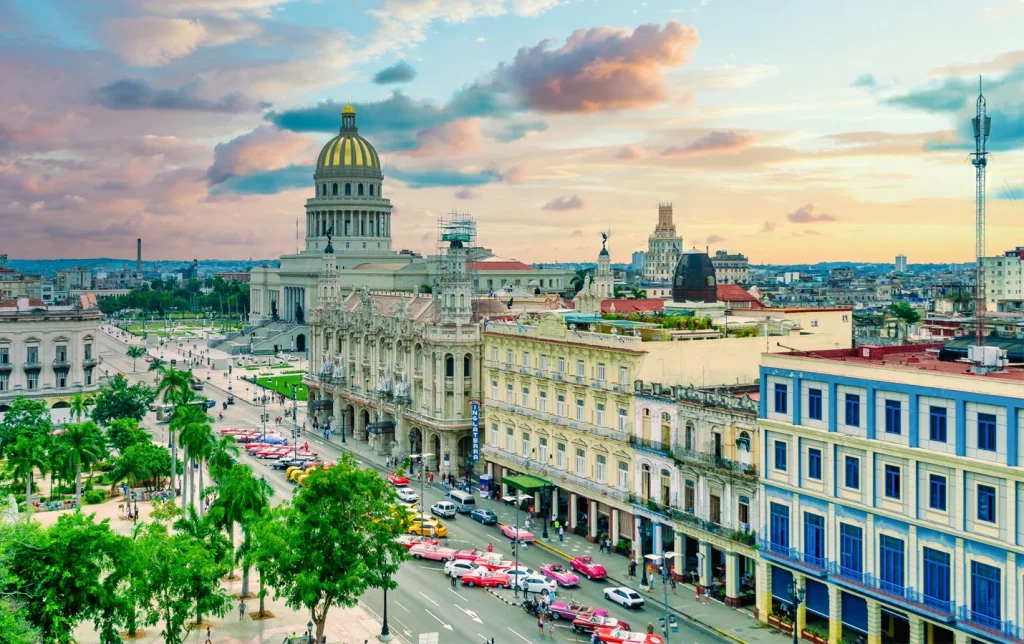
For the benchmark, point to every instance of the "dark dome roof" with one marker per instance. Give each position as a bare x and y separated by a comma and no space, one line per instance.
694,279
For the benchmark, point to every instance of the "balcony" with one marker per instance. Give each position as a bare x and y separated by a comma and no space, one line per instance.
596,430
6,366
716,462
647,445
322,405
449,383
1002,629
32,365
88,361
909,597
816,564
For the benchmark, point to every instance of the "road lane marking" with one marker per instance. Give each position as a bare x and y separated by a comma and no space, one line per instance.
470,613
448,626
430,600
403,607
457,594
518,635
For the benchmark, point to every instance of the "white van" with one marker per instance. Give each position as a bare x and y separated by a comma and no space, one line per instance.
445,509
463,501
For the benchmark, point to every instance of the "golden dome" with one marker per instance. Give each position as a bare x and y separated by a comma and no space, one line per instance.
348,149
348,109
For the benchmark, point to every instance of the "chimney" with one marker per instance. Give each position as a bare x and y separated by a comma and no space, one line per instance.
138,256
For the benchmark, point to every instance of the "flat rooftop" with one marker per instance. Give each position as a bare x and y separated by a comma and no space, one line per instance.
912,357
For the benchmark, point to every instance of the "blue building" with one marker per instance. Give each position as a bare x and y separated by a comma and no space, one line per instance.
890,493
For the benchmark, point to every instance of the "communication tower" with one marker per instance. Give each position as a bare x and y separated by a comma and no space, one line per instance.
983,359
453,284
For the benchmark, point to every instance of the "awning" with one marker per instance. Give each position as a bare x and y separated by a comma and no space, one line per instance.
527,483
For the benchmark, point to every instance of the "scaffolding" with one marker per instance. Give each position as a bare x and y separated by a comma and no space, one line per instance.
455,232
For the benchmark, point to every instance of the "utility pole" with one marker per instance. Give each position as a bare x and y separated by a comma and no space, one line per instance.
982,125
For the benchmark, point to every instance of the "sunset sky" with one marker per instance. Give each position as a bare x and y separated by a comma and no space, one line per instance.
795,131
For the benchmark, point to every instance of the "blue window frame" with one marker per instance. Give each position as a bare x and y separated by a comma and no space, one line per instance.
814,404
851,549
814,539
814,464
780,455
780,525
893,417
987,432
892,481
890,558
781,398
985,591
937,492
937,424
852,472
936,578
986,503
853,410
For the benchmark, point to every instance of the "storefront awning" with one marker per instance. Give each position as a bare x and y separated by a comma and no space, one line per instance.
527,483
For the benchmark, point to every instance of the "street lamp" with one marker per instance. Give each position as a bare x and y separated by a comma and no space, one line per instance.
385,632
295,421
662,561
644,533
796,597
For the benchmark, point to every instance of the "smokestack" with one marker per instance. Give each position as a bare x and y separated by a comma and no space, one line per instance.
138,256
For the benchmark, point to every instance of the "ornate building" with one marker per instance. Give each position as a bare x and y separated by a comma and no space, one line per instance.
604,282
663,248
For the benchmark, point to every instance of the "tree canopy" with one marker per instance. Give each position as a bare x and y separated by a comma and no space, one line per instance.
26,418
117,399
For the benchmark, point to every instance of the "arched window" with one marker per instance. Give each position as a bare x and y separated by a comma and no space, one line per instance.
348,189
371,189
467,366
360,190
449,366
323,190
334,189
743,442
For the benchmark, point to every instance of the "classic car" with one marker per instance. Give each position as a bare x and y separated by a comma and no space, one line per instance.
588,568
560,574
619,635
493,561
397,481
457,568
572,609
624,596
487,578
585,624
407,495
434,552
474,554
410,540
422,527
516,533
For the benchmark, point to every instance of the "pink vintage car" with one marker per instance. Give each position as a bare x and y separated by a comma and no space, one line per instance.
561,574
472,555
493,561
588,568
410,540
428,551
572,609
516,533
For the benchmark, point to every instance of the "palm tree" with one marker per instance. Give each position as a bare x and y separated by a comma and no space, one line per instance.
27,456
80,444
243,499
194,426
135,352
158,364
579,278
80,404
638,293
174,385
222,455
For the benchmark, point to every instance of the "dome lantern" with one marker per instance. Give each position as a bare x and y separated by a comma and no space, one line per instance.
348,154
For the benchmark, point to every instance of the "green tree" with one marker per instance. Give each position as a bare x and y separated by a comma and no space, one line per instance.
579,279
80,445
243,499
135,352
638,293
125,432
158,364
338,540
80,404
128,595
144,463
906,313
117,399
222,456
27,456
205,533
14,624
193,426
175,389
26,418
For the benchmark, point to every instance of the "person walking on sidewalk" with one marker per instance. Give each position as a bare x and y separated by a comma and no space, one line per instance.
241,609
632,569
699,594
540,625
454,579
561,533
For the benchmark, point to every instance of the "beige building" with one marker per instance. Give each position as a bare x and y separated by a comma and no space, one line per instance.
664,247
1003,278
47,352
731,268
15,284
77,278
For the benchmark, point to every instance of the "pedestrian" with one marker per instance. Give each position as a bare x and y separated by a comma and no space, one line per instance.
672,583
454,579
650,628
208,640
433,532
490,547
608,545
707,594
526,524
241,609
540,624
561,533
595,638
632,569
699,594
551,627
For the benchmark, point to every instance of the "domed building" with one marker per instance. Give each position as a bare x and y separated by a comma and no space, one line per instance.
694,278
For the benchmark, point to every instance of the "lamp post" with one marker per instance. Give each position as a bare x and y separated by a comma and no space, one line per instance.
662,561
385,632
796,597
644,531
295,421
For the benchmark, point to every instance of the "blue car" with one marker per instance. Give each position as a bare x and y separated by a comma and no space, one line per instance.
485,517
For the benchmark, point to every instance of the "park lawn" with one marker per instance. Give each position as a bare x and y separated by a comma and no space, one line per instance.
283,384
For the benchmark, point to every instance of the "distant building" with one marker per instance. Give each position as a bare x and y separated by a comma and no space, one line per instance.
233,277
637,265
901,263
14,284
664,247
78,277
1004,278
731,269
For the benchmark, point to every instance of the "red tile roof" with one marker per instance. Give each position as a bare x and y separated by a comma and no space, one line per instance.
736,293
501,265
633,306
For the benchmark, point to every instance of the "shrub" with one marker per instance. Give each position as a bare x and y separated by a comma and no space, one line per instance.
95,496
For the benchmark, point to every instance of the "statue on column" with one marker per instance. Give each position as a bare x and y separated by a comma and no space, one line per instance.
299,317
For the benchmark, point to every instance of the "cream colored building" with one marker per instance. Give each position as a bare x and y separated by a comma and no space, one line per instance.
1003,278
664,247
731,268
48,353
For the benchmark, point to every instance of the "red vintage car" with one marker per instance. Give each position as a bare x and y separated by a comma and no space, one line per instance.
588,568
587,622
487,579
397,481
618,635
472,555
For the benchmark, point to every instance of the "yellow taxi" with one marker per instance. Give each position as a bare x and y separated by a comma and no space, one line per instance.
422,526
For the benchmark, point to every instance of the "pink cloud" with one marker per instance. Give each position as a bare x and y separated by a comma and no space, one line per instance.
599,68
459,137
149,41
465,193
564,203
629,151
514,175
769,226
265,148
806,215
712,142
716,239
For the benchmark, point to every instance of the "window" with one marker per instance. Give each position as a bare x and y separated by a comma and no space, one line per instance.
32,355
348,189
580,368
494,389
62,353
851,549
937,424
561,366
814,404
937,492
5,355
781,392
579,410
5,381
890,558
509,440
623,475
509,359
623,375
544,363
494,434
542,400
780,455
986,503
986,593
526,396
526,444
688,495
622,419
581,462
987,432
936,578
893,417
62,379
526,359
852,410
814,463
743,511
509,395
494,354
600,415
601,469
88,352
560,455
371,189
852,472
892,482
561,405
542,449
33,381
779,526
360,190
814,538
334,189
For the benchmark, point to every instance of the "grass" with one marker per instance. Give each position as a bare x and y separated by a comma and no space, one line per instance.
283,384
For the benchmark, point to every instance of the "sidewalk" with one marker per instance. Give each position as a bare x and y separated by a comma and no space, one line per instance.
737,624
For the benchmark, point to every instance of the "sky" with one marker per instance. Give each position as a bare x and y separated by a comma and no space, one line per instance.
792,132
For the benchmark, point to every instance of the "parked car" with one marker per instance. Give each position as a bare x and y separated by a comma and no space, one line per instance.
624,596
617,635
560,574
397,481
487,579
588,568
457,568
433,552
536,583
422,527
407,495
410,540
586,623
515,533
485,517
572,609
493,561
444,509
472,555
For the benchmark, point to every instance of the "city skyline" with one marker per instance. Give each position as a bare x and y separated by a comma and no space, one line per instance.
788,135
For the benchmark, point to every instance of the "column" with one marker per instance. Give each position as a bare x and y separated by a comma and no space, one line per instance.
460,378
592,518
835,615
402,433
678,547
801,610
874,622
572,511
536,503
359,431
637,555
764,584
704,563
615,528
554,504
916,629
657,538
960,637
732,579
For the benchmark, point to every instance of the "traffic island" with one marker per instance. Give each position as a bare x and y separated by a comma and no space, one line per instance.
506,595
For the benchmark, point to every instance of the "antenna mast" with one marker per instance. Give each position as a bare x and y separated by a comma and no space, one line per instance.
982,125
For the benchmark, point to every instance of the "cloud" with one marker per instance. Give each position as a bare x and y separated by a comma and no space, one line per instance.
576,233
768,227
515,174
1000,63
149,41
265,148
725,77
564,203
629,151
715,239
712,142
805,215
516,131
865,80
598,69
443,177
465,193
267,183
811,231
458,137
134,94
400,72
